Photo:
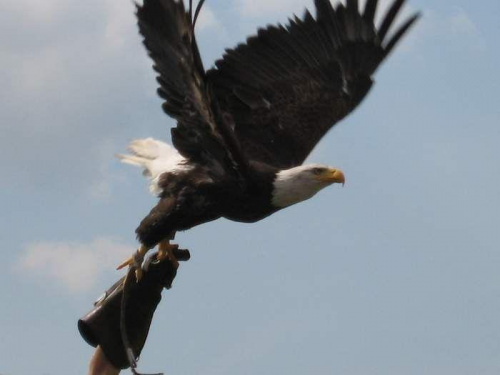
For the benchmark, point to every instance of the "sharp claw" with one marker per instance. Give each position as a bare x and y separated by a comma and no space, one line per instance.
136,262
128,262
166,251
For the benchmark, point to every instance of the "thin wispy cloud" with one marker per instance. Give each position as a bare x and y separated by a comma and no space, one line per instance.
61,85
72,266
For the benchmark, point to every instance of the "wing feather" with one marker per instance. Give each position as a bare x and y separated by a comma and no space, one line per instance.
389,18
202,134
288,85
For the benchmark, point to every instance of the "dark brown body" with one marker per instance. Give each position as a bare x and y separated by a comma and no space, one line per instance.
197,196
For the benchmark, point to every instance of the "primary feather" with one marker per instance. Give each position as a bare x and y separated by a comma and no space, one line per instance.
288,85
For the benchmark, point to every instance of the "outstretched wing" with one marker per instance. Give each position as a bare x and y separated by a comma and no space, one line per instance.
202,134
287,86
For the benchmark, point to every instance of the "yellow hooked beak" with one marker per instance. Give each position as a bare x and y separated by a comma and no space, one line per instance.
332,175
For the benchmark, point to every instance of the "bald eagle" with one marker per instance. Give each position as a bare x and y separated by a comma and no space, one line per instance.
244,128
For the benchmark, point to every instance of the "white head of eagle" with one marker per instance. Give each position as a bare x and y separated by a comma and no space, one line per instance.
300,183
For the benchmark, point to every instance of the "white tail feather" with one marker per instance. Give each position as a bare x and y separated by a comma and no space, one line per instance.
156,158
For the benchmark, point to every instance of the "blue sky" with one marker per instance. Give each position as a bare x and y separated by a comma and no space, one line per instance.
396,273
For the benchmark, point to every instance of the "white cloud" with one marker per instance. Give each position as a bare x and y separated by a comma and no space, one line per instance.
66,69
56,61
74,266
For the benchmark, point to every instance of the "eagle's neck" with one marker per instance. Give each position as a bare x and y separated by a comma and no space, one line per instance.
292,186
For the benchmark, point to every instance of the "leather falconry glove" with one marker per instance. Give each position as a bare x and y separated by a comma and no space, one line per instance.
101,326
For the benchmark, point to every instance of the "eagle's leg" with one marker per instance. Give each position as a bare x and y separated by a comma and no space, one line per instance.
166,251
136,261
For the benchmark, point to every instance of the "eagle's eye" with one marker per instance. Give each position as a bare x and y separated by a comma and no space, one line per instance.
318,171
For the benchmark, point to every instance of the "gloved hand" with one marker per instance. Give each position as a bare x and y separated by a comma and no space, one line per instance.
101,326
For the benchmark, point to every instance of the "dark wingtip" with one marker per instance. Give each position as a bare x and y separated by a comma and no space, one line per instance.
401,32
389,17
352,6
197,12
138,8
370,10
323,8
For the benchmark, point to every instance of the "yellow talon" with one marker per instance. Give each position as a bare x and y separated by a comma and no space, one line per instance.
128,262
166,250
136,261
